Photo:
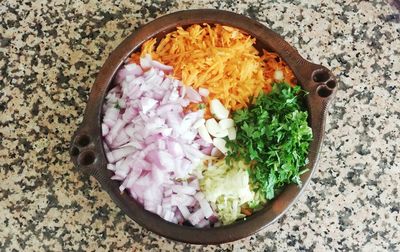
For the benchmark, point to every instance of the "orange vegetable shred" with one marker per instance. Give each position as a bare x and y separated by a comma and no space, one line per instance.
220,58
273,63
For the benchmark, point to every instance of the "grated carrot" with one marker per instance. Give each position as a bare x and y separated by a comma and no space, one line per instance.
220,58
272,63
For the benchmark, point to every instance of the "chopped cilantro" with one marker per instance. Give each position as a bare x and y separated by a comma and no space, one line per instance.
273,136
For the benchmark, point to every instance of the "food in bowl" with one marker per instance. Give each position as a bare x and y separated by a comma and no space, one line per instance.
202,129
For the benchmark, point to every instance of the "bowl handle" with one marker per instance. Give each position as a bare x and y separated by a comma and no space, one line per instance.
313,78
87,151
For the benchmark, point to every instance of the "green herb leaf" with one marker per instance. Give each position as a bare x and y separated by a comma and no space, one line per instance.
273,136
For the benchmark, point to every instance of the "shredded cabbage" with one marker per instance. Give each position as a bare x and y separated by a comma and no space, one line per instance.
227,188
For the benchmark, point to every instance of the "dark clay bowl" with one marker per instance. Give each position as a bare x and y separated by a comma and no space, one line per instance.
87,148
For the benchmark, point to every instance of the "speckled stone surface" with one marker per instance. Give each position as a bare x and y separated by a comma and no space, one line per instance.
49,56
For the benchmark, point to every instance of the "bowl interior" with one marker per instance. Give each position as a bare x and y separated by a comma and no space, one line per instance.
260,46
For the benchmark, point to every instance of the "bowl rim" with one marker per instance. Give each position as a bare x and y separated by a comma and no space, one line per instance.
90,128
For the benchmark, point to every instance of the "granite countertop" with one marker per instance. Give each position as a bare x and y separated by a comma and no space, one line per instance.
49,56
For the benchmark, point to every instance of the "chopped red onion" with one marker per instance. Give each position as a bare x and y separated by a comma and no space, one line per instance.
151,144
